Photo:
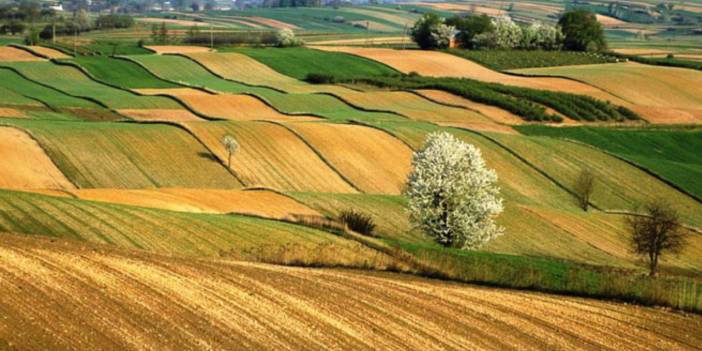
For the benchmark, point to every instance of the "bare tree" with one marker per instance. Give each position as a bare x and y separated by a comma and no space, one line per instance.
584,187
655,232
231,146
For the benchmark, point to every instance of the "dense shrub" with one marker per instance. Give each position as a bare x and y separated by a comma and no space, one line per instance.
357,221
430,32
114,21
320,78
285,38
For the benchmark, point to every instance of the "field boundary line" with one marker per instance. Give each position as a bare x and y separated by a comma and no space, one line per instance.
319,154
636,214
367,125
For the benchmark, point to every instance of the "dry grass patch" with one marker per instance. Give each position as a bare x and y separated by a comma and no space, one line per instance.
177,22
12,113
270,156
160,115
439,64
48,52
371,159
262,203
650,89
177,49
54,291
608,21
238,107
26,165
176,92
10,54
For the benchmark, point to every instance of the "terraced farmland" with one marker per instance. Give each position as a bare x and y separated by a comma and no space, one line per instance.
119,155
72,81
123,73
662,94
372,160
671,154
238,304
271,156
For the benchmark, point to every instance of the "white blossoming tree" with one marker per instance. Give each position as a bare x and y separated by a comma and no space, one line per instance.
452,195
286,38
442,36
231,145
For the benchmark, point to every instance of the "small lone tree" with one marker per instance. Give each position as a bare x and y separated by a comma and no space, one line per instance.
584,187
656,232
231,146
452,195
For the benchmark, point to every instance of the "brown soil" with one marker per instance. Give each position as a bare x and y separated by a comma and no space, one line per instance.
68,295
10,54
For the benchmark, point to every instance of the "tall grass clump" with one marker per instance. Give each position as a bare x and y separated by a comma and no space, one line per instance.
358,222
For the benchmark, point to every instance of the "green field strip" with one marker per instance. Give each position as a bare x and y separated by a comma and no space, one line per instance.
74,82
123,73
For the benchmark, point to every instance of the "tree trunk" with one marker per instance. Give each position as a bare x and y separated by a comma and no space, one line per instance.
654,266
229,161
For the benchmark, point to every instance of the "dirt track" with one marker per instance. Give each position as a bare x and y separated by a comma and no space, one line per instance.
58,295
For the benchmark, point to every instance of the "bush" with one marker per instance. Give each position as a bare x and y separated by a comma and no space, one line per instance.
357,221
114,21
286,38
582,31
429,32
320,78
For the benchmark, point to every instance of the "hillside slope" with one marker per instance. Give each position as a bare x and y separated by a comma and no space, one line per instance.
56,296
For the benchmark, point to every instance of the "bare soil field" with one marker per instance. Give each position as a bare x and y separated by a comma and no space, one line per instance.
608,21
10,54
439,64
12,113
56,295
371,159
661,94
263,203
26,164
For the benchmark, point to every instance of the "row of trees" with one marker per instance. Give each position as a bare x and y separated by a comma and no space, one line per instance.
576,30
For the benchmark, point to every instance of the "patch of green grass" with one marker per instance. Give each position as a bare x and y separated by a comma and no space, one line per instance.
123,73
299,62
26,90
514,59
672,154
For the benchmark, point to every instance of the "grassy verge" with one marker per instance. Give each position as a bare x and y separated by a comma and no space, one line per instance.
514,59
554,276
527,103
668,62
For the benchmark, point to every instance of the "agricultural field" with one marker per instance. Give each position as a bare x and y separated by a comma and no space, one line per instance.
202,179
662,94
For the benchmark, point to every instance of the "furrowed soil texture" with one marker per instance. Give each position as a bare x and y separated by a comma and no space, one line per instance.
120,155
495,113
660,94
237,108
50,299
439,64
261,203
270,155
27,166
371,159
